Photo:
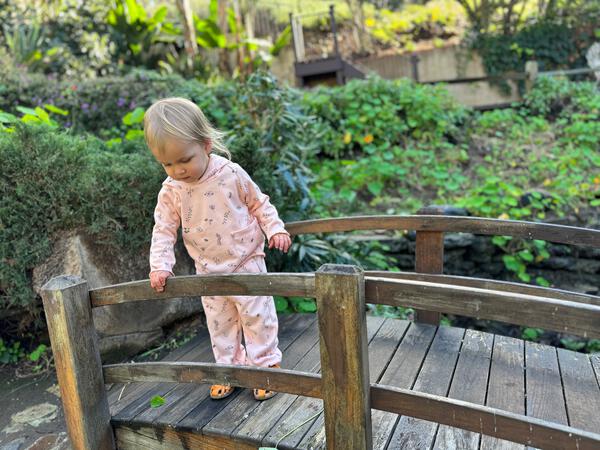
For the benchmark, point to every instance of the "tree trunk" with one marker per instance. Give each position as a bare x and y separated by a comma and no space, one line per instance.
189,33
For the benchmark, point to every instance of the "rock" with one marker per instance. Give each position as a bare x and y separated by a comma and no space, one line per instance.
559,250
14,445
33,416
559,262
128,327
50,442
444,210
458,240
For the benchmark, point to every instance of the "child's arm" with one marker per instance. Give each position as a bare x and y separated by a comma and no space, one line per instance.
164,233
259,205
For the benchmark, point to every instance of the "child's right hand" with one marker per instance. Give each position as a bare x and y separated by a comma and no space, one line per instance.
158,280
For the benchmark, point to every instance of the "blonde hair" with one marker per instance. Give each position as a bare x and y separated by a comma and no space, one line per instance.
180,118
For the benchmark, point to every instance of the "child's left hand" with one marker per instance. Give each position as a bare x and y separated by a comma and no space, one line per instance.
280,241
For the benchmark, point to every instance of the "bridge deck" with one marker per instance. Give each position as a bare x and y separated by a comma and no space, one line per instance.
522,377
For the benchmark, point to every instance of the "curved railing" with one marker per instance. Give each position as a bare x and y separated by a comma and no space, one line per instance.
529,230
341,293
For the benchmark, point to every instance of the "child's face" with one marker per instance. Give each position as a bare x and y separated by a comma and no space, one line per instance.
184,161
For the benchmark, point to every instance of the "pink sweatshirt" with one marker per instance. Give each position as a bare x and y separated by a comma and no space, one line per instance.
222,215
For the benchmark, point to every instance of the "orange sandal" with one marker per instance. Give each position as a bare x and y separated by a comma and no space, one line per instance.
264,394
218,391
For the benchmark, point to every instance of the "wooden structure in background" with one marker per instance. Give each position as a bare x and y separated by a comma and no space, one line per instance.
384,383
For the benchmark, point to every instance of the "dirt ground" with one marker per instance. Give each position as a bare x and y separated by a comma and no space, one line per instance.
32,417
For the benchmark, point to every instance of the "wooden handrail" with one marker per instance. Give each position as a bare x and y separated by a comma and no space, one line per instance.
469,416
286,284
529,230
522,309
494,285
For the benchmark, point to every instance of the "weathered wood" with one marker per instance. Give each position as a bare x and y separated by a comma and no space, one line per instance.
506,387
402,372
434,377
297,357
477,225
77,360
196,418
381,348
344,360
482,283
197,372
165,438
543,386
482,419
305,408
123,395
558,315
469,383
582,393
286,284
141,404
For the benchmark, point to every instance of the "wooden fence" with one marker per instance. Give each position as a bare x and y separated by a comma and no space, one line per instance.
341,293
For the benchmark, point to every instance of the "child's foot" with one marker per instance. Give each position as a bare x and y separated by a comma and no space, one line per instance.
218,391
264,394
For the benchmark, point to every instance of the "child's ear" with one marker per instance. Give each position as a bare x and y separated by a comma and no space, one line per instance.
208,146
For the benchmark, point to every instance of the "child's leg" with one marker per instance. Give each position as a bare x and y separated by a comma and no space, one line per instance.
225,329
259,322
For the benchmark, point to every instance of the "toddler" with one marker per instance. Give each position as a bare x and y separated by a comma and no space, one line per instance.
223,215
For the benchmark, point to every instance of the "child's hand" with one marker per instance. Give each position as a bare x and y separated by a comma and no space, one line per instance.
280,241
158,280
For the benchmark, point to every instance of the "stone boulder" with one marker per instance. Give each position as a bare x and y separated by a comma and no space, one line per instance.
125,329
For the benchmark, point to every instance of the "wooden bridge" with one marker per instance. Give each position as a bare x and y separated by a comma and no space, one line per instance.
348,381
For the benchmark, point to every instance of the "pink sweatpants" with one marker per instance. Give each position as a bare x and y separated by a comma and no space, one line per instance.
256,316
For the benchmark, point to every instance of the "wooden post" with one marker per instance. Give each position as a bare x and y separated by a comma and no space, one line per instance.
414,62
344,360
429,258
77,359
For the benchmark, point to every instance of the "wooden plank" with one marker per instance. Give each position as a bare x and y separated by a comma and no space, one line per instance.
230,418
164,438
469,383
506,387
206,409
257,422
286,284
120,398
582,393
482,419
402,372
141,393
381,349
493,285
477,225
543,386
77,360
184,398
141,402
557,315
595,359
434,378
305,408
344,360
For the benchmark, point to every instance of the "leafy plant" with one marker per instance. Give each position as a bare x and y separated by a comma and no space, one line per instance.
10,353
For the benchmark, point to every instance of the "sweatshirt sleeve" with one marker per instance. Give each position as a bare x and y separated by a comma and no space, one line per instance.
259,205
164,234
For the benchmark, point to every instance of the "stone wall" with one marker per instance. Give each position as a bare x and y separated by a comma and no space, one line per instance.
569,267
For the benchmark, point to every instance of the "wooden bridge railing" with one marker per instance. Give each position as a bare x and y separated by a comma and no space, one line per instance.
341,293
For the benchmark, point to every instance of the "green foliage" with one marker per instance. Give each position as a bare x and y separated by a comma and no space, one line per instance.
11,353
137,33
157,401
